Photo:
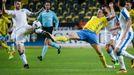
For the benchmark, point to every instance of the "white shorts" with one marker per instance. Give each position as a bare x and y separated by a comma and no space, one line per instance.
114,38
18,34
126,41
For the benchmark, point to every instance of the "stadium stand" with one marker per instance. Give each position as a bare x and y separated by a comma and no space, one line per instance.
68,11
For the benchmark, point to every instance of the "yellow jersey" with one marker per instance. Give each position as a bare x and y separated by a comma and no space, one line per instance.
95,24
131,12
4,21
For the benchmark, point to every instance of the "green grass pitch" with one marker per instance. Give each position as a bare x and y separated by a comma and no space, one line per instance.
71,61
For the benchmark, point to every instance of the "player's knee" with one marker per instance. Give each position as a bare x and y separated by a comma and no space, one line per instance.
118,51
49,43
46,42
19,45
107,47
21,52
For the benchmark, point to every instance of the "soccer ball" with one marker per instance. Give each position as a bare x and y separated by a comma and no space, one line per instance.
36,25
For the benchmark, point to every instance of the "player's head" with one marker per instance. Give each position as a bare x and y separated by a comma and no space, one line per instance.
47,5
121,3
100,13
106,10
128,5
17,4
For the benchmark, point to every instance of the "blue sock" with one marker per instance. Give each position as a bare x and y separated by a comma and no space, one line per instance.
53,44
13,46
44,50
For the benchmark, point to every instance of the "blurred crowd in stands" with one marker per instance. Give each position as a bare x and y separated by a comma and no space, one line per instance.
68,11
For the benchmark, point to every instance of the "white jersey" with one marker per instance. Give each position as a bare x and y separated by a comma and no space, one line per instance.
110,34
20,24
123,18
20,17
112,23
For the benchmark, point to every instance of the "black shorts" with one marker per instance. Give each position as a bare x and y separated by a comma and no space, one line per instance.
48,29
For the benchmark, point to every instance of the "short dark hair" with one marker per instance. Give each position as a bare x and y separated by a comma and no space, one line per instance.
122,2
17,1
48,1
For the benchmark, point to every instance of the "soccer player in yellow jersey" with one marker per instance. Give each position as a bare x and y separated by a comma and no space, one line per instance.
3,33
90,32
128,5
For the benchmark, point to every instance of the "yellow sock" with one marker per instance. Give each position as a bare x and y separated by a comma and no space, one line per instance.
61,38
5,46
103,60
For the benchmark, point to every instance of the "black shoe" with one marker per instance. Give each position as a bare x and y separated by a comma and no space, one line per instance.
40,58
26,66
59,50
132,61
116,62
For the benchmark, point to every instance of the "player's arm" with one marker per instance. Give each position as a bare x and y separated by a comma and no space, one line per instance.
3,6
36,13
39,18
117,26
112,15
29,13
9,12
126,15
56,20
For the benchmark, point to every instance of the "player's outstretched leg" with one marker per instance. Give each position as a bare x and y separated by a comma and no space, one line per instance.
101,56
21,48
55,45
48,35
61,38
125,53
122,64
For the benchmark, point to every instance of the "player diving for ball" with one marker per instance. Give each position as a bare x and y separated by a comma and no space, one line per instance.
90,32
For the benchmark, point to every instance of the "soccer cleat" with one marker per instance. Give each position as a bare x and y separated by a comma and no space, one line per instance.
132,63
110,66
10,55
59,50
26,66
122,71
40,58
132,66
116,63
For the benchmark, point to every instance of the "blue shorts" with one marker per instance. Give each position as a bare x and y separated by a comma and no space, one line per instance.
3,38
88,36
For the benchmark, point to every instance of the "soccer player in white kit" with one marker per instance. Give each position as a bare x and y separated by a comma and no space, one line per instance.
125,38
20,17
111,29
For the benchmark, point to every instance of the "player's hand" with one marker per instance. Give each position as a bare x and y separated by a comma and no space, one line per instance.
4,1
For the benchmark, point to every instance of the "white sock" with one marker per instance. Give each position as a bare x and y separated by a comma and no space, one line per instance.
125,53
121,60
13,47
113,55
23,57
